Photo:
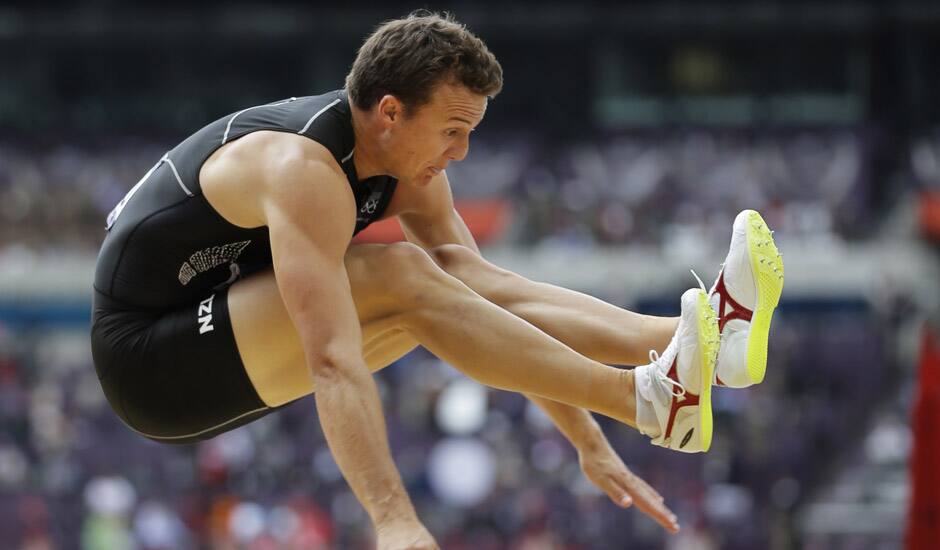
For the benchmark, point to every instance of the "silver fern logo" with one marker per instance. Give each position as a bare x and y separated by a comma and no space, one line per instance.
207,258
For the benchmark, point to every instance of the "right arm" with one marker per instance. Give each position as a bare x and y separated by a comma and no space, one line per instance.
310,214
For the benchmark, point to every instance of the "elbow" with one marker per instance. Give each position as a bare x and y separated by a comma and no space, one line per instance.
333,366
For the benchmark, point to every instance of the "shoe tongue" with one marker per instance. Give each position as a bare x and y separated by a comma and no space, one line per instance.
661,384
668,356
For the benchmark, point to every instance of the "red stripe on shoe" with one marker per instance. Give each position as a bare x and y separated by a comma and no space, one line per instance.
724,299
687,400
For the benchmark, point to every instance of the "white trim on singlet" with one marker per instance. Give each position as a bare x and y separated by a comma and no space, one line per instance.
200,432
317,114
179,180
116,211
228,127
347,157
119,207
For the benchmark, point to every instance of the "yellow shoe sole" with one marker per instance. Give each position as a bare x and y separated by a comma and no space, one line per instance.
767,266
708,339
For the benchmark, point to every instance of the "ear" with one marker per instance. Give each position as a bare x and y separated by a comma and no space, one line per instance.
390,109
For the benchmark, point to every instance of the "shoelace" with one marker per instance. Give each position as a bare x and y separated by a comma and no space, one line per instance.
659,376
721,269
664,362
699,279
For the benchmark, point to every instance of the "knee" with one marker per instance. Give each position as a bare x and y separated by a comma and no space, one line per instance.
455,258
469,267
409,273
404,256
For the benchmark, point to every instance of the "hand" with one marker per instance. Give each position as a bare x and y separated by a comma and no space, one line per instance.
409,535
604,468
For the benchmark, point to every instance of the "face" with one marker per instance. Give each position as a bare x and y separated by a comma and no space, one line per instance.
420,144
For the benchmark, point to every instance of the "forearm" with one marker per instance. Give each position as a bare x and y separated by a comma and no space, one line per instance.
577,425
351,415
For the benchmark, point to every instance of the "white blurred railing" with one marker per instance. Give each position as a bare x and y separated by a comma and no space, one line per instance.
873,271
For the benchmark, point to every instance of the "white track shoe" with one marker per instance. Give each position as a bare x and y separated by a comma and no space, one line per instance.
677,384
744,296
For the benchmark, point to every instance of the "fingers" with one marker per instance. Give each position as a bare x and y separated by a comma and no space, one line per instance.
651,503
615,489
620,497
626,489
646,487
660,514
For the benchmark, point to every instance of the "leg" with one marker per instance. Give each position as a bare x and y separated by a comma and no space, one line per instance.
270,347
590,326
398,290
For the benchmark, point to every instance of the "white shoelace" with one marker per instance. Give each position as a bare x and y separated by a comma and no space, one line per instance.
658,374
699,279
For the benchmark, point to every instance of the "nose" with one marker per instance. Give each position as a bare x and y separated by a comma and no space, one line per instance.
458,151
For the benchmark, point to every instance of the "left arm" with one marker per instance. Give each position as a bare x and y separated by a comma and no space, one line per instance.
429,219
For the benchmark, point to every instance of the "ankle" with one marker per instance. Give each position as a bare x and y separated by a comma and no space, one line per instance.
645,420
627,383
660,331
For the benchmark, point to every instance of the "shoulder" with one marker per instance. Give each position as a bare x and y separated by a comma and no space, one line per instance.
327,120
293,167
268,167
266,157
285,154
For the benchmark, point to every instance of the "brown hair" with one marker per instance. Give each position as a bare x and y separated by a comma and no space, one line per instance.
408,57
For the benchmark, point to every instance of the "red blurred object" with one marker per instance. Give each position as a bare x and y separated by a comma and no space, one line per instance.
930,214
923,528
487,219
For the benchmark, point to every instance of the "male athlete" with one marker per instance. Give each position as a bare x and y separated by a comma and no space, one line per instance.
227,286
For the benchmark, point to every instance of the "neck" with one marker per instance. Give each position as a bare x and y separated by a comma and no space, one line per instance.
366,155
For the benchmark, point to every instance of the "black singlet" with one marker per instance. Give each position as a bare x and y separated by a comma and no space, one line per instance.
161,335
166,246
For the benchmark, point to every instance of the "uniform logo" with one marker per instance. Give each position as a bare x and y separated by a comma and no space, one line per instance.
208,258
204,315
688,436
368,208
371,204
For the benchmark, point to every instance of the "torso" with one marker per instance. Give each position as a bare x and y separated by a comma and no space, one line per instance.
191,225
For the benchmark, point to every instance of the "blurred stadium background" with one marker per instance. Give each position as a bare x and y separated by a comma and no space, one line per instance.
627,137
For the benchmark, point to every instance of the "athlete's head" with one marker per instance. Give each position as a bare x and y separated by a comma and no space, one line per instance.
425,81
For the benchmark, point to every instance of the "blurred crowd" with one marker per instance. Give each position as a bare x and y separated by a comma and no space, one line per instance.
486,469
58,198
923,164
638,188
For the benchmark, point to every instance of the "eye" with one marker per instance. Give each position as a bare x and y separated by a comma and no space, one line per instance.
451,133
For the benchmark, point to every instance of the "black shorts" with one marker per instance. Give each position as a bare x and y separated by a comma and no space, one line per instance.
173,376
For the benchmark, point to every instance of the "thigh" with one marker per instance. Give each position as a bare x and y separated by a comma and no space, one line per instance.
270,347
